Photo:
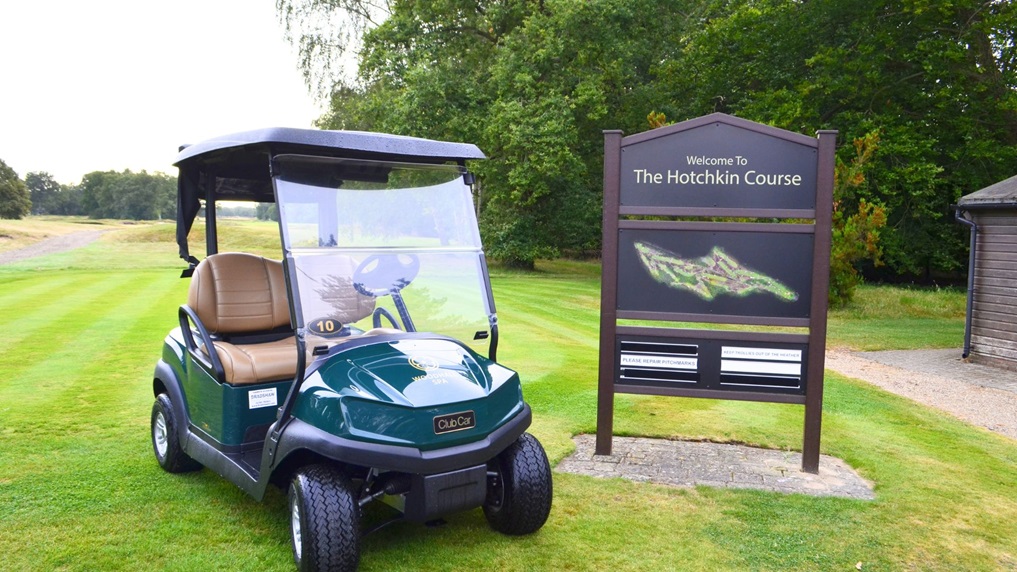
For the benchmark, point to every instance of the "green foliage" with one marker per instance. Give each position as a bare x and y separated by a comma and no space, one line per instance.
127,195
534,82
266,211
50,197
937,80
856,223
14,199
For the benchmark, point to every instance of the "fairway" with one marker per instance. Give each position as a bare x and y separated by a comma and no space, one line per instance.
80,489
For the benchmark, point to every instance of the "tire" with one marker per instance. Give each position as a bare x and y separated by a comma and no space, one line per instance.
166,440
324,520
519,494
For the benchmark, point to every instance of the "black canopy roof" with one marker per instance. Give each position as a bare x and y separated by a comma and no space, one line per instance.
238,166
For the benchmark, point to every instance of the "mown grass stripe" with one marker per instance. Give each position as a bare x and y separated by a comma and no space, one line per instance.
27,290
45,319
51,361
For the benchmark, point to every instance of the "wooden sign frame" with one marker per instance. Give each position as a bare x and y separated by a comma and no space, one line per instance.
716,166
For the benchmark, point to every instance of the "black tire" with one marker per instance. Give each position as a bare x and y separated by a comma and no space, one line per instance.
519,494
166,440
324,520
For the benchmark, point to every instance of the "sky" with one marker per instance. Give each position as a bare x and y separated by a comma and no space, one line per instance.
121,84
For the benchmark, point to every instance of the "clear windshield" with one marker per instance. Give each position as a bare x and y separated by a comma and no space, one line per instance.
383,245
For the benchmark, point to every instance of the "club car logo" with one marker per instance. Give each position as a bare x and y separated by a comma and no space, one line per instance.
454,422
424,363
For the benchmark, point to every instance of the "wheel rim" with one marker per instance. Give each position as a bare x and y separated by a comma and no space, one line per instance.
160,435
298,544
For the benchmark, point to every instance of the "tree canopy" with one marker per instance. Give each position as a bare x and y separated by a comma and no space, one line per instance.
534,82
50,197
128,195
14,199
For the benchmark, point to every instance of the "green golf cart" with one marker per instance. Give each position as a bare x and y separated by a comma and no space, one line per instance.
361,366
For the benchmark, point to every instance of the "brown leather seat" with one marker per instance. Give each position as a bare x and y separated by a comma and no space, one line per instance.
241,294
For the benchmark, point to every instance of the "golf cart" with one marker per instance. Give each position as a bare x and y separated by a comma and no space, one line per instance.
354,369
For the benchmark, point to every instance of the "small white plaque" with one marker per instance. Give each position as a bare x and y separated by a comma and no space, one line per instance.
659,362
257,398
734,352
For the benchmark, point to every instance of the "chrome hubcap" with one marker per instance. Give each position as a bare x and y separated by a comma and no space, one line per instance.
295,526
159,435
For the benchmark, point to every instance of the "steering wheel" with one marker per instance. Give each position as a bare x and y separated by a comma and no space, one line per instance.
384,274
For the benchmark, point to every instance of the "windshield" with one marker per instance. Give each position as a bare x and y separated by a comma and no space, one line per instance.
389,245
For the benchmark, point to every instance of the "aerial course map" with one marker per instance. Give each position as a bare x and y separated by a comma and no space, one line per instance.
709,276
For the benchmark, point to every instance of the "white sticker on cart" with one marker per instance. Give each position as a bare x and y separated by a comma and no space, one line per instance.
257,398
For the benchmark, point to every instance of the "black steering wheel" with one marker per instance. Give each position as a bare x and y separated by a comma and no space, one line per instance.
385,274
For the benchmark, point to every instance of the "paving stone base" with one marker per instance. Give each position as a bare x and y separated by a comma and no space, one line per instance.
687,464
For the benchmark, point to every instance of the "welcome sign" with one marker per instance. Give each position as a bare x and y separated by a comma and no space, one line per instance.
716,220
719,165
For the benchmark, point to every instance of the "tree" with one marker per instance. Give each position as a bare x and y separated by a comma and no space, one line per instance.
533,82
326,32
14,199
127,195
266,211
938,80
44,192
857,224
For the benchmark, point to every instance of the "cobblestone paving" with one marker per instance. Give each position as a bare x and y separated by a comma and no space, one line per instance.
687,464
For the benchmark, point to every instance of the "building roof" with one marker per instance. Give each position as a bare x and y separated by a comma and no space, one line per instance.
1001,194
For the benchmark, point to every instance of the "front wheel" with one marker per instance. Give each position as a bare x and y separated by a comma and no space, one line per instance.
519,489
166,441
324,520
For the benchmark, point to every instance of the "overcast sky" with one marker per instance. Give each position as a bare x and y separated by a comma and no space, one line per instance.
120,84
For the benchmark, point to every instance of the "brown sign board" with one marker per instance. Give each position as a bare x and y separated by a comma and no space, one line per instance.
677,249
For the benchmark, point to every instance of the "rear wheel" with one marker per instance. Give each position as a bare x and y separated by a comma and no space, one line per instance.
324,520
166,441
519,491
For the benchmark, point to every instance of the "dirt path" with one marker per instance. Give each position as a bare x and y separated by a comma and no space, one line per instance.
52,245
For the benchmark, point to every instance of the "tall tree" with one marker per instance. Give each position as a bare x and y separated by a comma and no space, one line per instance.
533,82
936,79
14,199
44,192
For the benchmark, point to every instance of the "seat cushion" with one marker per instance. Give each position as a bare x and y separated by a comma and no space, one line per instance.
261,362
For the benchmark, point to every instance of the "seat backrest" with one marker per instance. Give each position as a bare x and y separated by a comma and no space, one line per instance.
237,293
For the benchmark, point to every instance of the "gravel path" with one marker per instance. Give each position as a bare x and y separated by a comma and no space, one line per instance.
981,395
52,245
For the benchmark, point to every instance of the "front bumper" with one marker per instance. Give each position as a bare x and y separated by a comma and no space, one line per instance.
300,436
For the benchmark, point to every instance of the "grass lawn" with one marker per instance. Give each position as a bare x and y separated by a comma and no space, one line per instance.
80,489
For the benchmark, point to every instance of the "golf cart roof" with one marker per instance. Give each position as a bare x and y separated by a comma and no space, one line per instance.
234,153
237,167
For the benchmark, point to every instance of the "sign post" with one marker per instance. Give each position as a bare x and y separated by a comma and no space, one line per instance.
667,258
